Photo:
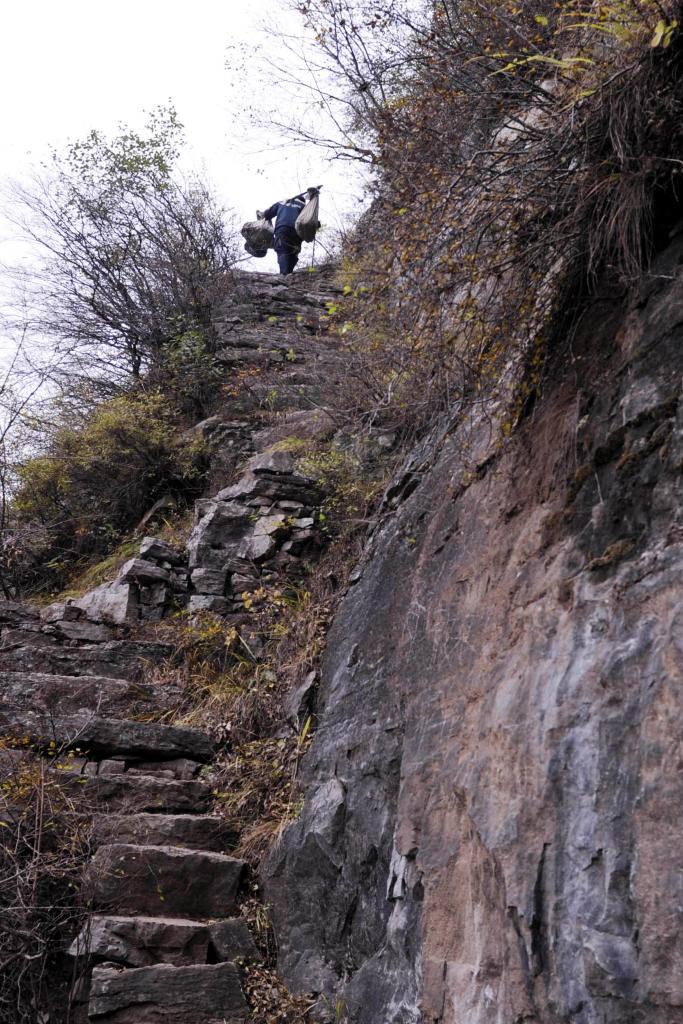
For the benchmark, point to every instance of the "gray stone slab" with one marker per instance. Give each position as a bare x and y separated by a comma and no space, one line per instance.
191,831
142,941
172,995
109,736
178,768
140,793
36,691
164,880
117,658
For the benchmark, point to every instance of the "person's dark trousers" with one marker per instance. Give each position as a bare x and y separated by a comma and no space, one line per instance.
287,246
287,261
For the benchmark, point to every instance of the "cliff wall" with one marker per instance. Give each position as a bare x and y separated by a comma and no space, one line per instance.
491,828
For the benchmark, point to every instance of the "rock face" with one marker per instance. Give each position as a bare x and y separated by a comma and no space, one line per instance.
494,793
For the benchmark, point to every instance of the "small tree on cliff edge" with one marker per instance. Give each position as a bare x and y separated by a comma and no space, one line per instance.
130,256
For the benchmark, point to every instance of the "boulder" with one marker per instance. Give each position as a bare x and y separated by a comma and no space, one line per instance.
209,581
155,550
267,526
111,602
298,703
175,995
136,570
272,461
164,879
220,528
61,611
257,547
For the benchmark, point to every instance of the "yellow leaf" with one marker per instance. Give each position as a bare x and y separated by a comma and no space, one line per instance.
306,728
541,19
660,29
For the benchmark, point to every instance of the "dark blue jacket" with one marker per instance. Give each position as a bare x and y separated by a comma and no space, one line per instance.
286,213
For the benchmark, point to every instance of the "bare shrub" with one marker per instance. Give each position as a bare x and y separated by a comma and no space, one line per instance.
520,149
127,256
44,847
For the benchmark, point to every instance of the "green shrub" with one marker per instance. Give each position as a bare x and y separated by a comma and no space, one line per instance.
94,480
351,480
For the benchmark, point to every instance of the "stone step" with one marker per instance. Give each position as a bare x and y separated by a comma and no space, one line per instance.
191,831
105,737
66,695
163,993
177,882
181,768
132,794
120,659
143,941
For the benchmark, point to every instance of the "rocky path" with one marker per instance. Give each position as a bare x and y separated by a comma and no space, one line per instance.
165,935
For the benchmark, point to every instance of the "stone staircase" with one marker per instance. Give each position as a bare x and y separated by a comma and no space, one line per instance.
164,933
164,938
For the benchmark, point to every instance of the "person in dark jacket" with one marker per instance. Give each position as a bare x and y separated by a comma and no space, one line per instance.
287,243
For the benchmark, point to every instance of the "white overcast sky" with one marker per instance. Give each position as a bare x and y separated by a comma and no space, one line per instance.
67,66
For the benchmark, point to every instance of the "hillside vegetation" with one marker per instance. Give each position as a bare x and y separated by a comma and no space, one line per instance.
520,149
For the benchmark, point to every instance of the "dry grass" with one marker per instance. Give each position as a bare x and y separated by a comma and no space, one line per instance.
522,148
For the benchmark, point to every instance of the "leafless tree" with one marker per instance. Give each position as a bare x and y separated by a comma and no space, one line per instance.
126,255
